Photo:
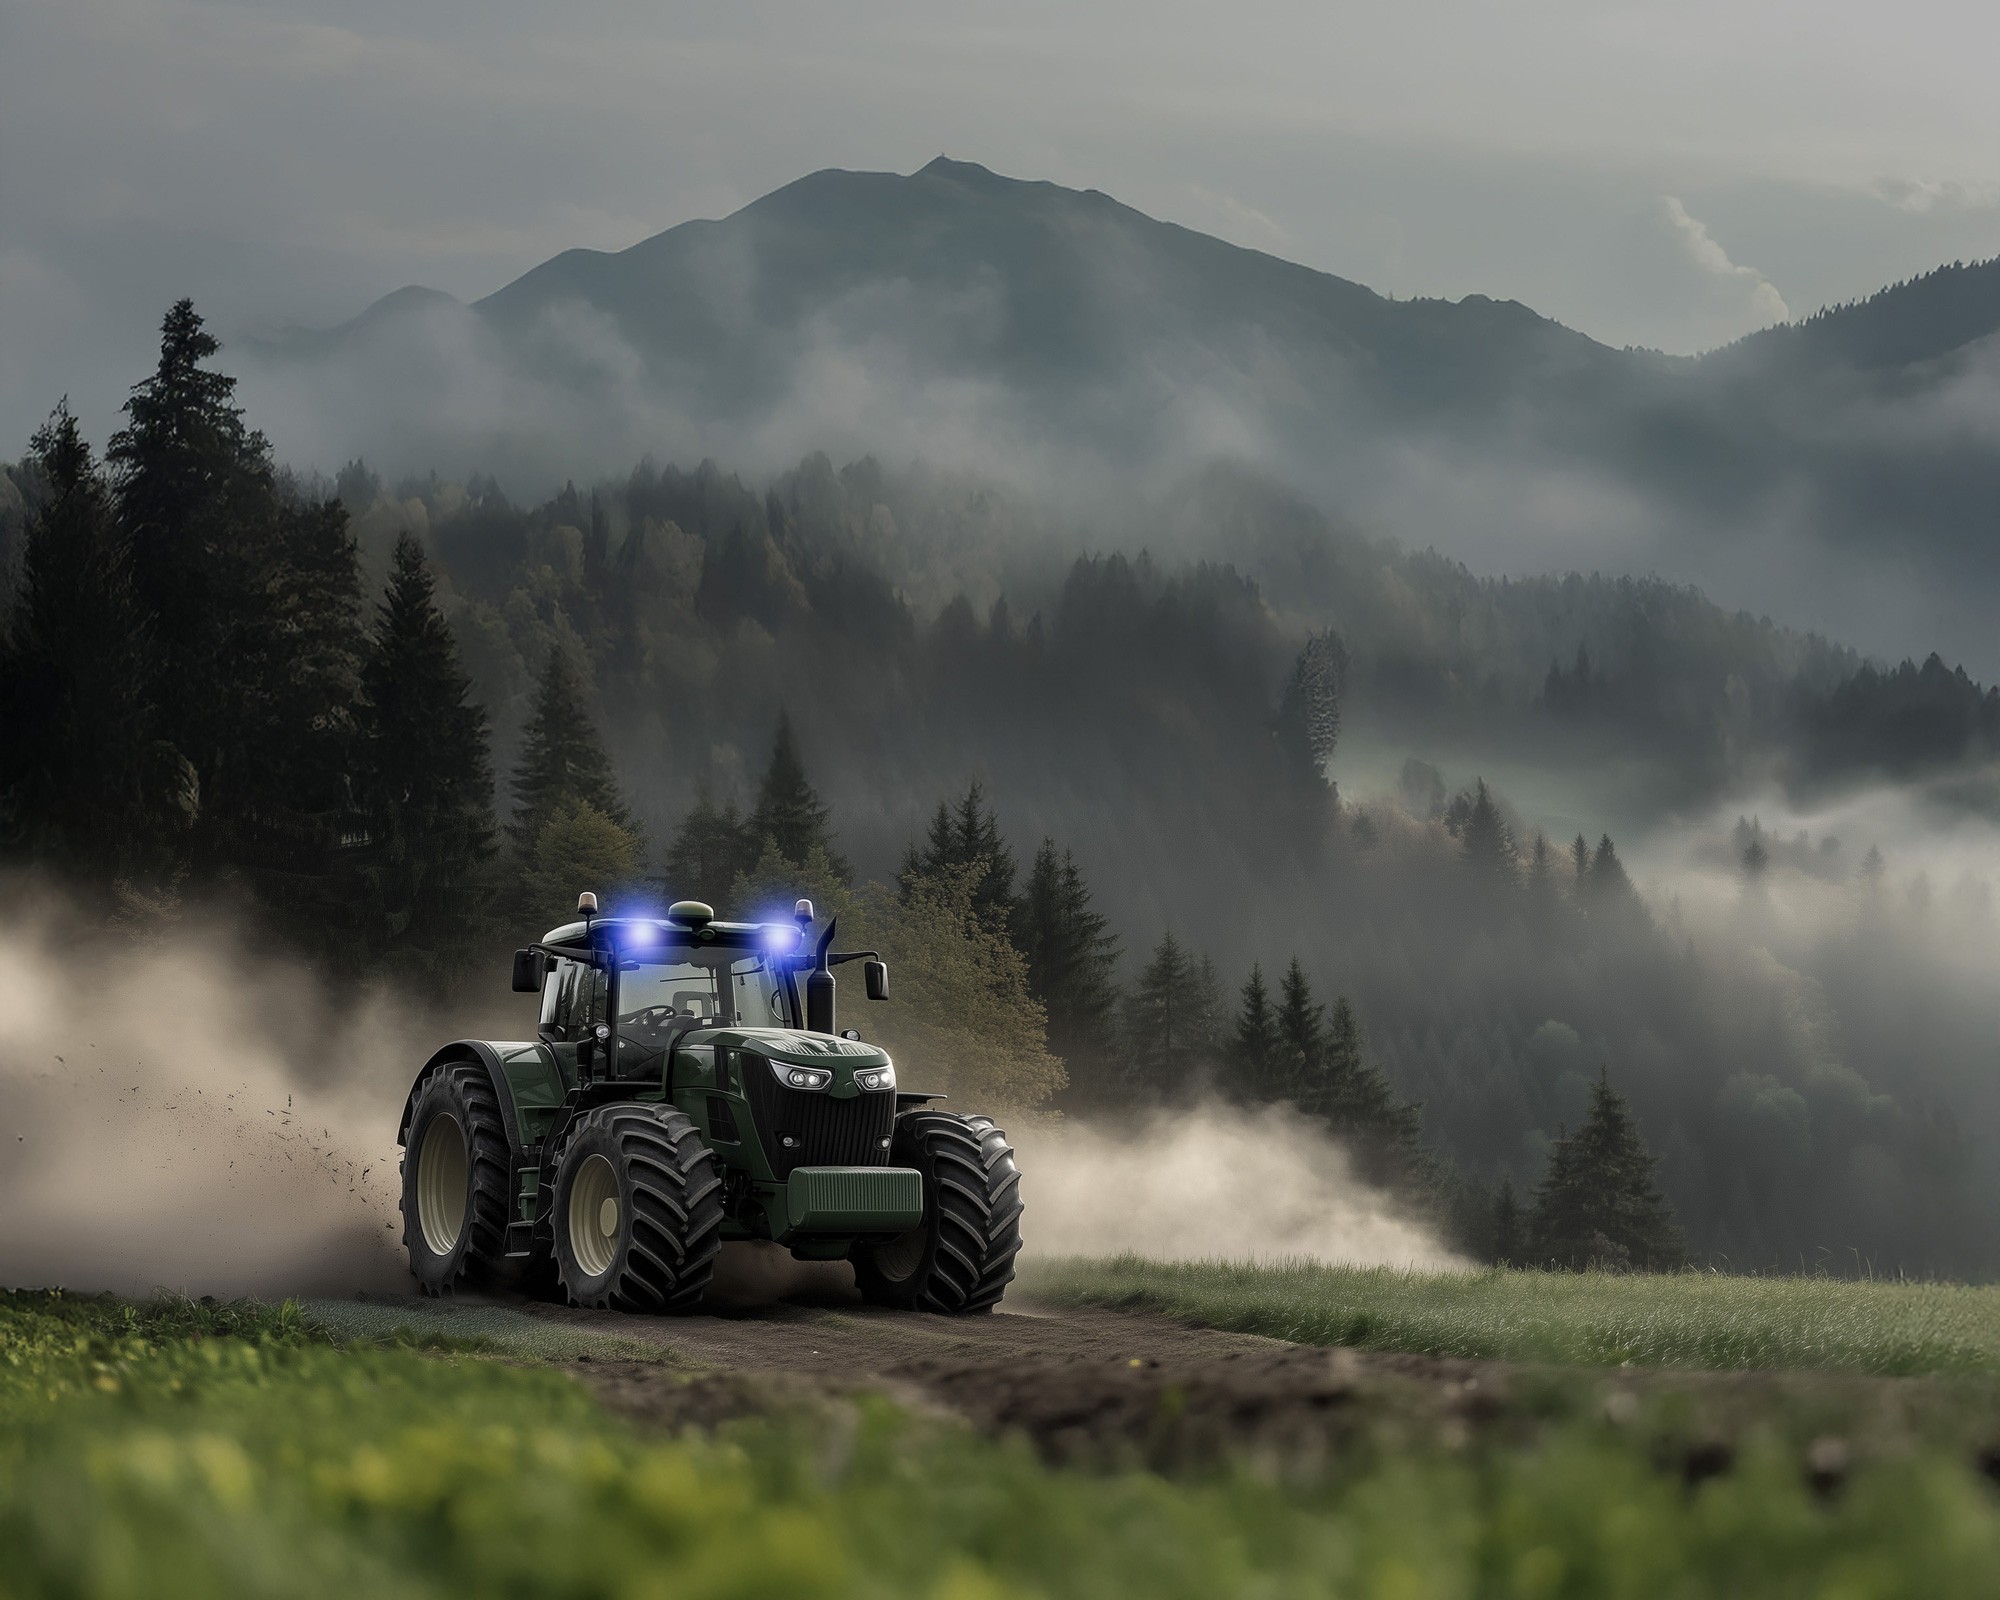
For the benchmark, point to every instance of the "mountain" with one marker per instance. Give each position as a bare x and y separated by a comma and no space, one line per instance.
1837,472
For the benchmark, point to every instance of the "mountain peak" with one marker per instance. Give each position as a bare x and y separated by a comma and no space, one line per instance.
970,173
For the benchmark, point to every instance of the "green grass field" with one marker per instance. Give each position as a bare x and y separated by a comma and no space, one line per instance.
180,1450
1574,1319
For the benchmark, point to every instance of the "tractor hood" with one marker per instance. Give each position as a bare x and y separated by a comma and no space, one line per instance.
790,1044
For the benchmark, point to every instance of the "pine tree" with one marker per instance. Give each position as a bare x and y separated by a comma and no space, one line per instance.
1485,843
196,502
290,760
1255,1050
250,592
1070,954
1579,860
1308,725
1608,888
969,835
80,783
709,849
790,816
1598,1204
1170,1022
1301,1026
1382,1133
563,762
428,781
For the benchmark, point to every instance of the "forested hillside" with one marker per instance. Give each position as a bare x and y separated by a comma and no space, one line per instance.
1091,803
1838,467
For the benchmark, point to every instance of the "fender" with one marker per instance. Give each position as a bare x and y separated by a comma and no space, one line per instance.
480,1053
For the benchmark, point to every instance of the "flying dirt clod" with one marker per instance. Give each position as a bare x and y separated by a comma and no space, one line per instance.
687,1085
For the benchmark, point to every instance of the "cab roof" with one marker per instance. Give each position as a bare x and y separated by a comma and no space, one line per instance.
639,932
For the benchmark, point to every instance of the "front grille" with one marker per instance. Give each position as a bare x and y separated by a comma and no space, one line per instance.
830,1132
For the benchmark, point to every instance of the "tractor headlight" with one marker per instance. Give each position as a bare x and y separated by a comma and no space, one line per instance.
875,1077
801,1077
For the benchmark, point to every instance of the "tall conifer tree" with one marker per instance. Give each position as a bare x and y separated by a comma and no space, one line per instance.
429,780
790,815
77,785
709,849
1070,954
563,761
196,501
965,835
1255,1049
1301,1024
1382,1132
1598,1203
1170,1022
251,595
1486,844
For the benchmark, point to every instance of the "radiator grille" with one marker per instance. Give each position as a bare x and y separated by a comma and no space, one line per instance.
829,1132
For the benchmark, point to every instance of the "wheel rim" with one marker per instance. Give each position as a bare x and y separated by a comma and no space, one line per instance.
901,1256
594,1216
442,1184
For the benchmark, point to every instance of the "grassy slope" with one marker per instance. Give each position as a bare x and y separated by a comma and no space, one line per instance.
1586,1319
184,1451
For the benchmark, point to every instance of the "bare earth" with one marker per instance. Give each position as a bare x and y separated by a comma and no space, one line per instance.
1083,1385
1094,1387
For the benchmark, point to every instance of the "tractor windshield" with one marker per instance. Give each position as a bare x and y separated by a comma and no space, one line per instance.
716,987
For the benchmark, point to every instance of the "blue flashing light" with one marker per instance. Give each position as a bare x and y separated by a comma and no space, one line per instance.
779,937
642,933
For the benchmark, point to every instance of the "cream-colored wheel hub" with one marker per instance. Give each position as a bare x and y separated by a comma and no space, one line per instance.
593,1216
442,1171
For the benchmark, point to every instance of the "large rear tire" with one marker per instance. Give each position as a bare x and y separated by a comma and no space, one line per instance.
638,1212
455,1181
960,1258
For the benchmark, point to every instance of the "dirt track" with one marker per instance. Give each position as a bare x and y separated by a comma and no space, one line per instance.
1082,1384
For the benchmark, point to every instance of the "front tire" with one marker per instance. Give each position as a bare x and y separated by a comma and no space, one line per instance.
455,1181
960,1258
638,1214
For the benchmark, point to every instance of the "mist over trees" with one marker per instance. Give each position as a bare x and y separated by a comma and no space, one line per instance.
1088,804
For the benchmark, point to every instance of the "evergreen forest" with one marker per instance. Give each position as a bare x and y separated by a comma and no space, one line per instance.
1102,786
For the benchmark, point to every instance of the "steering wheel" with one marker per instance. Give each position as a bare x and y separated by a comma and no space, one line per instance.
651,1018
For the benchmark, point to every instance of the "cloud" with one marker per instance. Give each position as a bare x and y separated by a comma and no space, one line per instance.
1761,302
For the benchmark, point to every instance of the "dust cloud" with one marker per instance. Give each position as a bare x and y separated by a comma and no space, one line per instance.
182,1114
1215,1183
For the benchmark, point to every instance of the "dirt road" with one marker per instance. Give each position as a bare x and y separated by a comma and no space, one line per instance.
1084,1385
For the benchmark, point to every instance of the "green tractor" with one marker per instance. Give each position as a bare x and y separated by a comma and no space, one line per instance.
687,1086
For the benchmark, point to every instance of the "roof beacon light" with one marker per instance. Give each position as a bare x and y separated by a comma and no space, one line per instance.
778,938
803,912
586,904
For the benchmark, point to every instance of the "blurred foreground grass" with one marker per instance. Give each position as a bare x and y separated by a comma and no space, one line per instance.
1583,1319
184,1450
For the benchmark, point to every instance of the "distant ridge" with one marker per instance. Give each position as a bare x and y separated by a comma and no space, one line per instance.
959,314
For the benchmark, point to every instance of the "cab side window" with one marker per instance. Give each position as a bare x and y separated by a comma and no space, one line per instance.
573,1000
552,994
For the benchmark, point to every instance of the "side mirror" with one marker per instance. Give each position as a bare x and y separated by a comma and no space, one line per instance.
875,976
529,968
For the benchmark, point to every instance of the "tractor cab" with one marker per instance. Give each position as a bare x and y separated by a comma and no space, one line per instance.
617,992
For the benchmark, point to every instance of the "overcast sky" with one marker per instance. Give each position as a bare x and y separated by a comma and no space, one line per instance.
1670,174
